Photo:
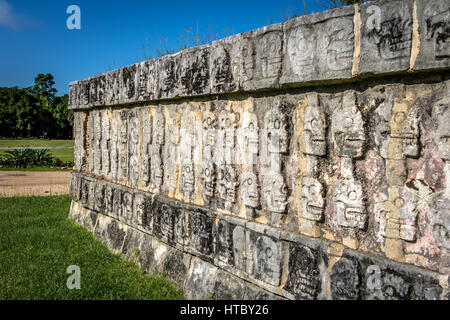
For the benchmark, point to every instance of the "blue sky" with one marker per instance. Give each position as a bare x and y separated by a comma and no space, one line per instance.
34,37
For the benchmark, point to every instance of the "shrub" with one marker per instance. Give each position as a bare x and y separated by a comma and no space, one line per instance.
22,158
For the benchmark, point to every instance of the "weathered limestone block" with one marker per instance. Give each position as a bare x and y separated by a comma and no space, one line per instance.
228,287
305,276
201,281
264,258
129,83
262,56
113,87
362,277
147,80
434,34
225,64
194,76
201,229
386,36
318,46
168,76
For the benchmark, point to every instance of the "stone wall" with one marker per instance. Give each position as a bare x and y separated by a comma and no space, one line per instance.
303,160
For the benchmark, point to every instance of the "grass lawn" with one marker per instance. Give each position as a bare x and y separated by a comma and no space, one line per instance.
62,154
37,244
35,143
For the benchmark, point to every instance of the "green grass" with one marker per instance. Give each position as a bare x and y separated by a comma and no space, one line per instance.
42,169
35,143
62,154
37,244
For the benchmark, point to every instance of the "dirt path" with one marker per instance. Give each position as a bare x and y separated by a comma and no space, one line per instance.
33,183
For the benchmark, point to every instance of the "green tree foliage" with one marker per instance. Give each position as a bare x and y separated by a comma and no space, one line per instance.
35,111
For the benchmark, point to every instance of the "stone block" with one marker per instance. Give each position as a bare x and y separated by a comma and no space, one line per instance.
129,83
228,287
147,80
262,57
306,270
386,36
176,266
202,231
318,46
201,280
434,34
264,258
168,68
225,64
193,72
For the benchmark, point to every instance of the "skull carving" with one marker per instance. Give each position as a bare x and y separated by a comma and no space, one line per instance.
222,77
313,204
139,208
209,124
269,47
276,193
315,128
301,49
157,170
249,189
393,38
159,128
251,133
340,44
228,183
167,222
348,129
276,127
438,27
268,260
238,247
208,179
168,75
350,210
441,116
405,127
129,81
187,181
225,251
127,207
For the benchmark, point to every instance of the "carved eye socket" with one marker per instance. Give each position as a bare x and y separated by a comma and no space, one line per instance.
276,124
399,117
268,252
207,172
187,169
284,189
227,122
313,190
315,123
208,121
352,195
251,126
249,181
348,122
399,202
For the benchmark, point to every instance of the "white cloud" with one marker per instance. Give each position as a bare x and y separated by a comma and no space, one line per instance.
8,18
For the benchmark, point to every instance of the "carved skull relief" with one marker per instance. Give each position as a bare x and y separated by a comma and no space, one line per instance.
438,27
348,129
313,203
268,260
187,181
350,210
208,179
276,127
441,116
139,208
251,133
315,129
301,50
159,128
276,192
249,189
